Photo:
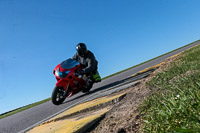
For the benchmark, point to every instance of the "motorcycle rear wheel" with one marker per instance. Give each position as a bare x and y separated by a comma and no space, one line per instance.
58,96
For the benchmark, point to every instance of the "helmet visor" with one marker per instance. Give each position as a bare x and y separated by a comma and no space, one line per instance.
80,52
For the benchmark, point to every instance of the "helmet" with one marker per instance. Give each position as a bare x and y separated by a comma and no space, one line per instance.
81,49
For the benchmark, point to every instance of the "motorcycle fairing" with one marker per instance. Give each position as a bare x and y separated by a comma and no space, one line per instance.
69,63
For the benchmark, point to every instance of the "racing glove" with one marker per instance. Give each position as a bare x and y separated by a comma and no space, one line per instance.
81,72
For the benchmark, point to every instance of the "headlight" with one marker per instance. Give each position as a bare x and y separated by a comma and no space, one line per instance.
57,72
67,72
61,74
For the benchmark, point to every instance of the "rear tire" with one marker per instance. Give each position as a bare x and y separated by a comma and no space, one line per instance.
87,88
57,96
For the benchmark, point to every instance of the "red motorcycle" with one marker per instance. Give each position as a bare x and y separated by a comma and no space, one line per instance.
69,82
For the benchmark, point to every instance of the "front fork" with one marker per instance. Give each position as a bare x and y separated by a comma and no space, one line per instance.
64,84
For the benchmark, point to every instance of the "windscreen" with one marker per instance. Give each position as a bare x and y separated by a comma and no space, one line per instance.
69,63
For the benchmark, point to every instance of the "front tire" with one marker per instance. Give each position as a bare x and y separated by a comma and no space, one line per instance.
58,96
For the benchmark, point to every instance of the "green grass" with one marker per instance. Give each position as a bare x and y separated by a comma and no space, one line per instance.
175,104
23,108
34,104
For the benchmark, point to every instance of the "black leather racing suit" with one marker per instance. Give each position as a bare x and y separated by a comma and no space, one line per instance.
89,63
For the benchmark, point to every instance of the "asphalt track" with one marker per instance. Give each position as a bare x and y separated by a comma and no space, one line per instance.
24,120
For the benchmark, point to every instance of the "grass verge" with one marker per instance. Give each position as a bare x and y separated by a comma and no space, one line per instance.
34,104
174,106
22,108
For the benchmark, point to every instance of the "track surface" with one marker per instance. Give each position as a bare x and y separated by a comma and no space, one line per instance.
22,121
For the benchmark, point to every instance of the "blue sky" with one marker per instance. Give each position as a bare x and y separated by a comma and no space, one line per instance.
36,35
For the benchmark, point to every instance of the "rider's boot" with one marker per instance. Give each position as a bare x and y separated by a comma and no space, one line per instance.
96,77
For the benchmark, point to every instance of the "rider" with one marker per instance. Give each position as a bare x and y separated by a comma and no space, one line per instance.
87,59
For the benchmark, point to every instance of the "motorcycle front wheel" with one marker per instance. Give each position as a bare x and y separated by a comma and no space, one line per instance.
58,95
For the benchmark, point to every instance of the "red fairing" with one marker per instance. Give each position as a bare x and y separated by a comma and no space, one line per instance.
70,79
62,83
